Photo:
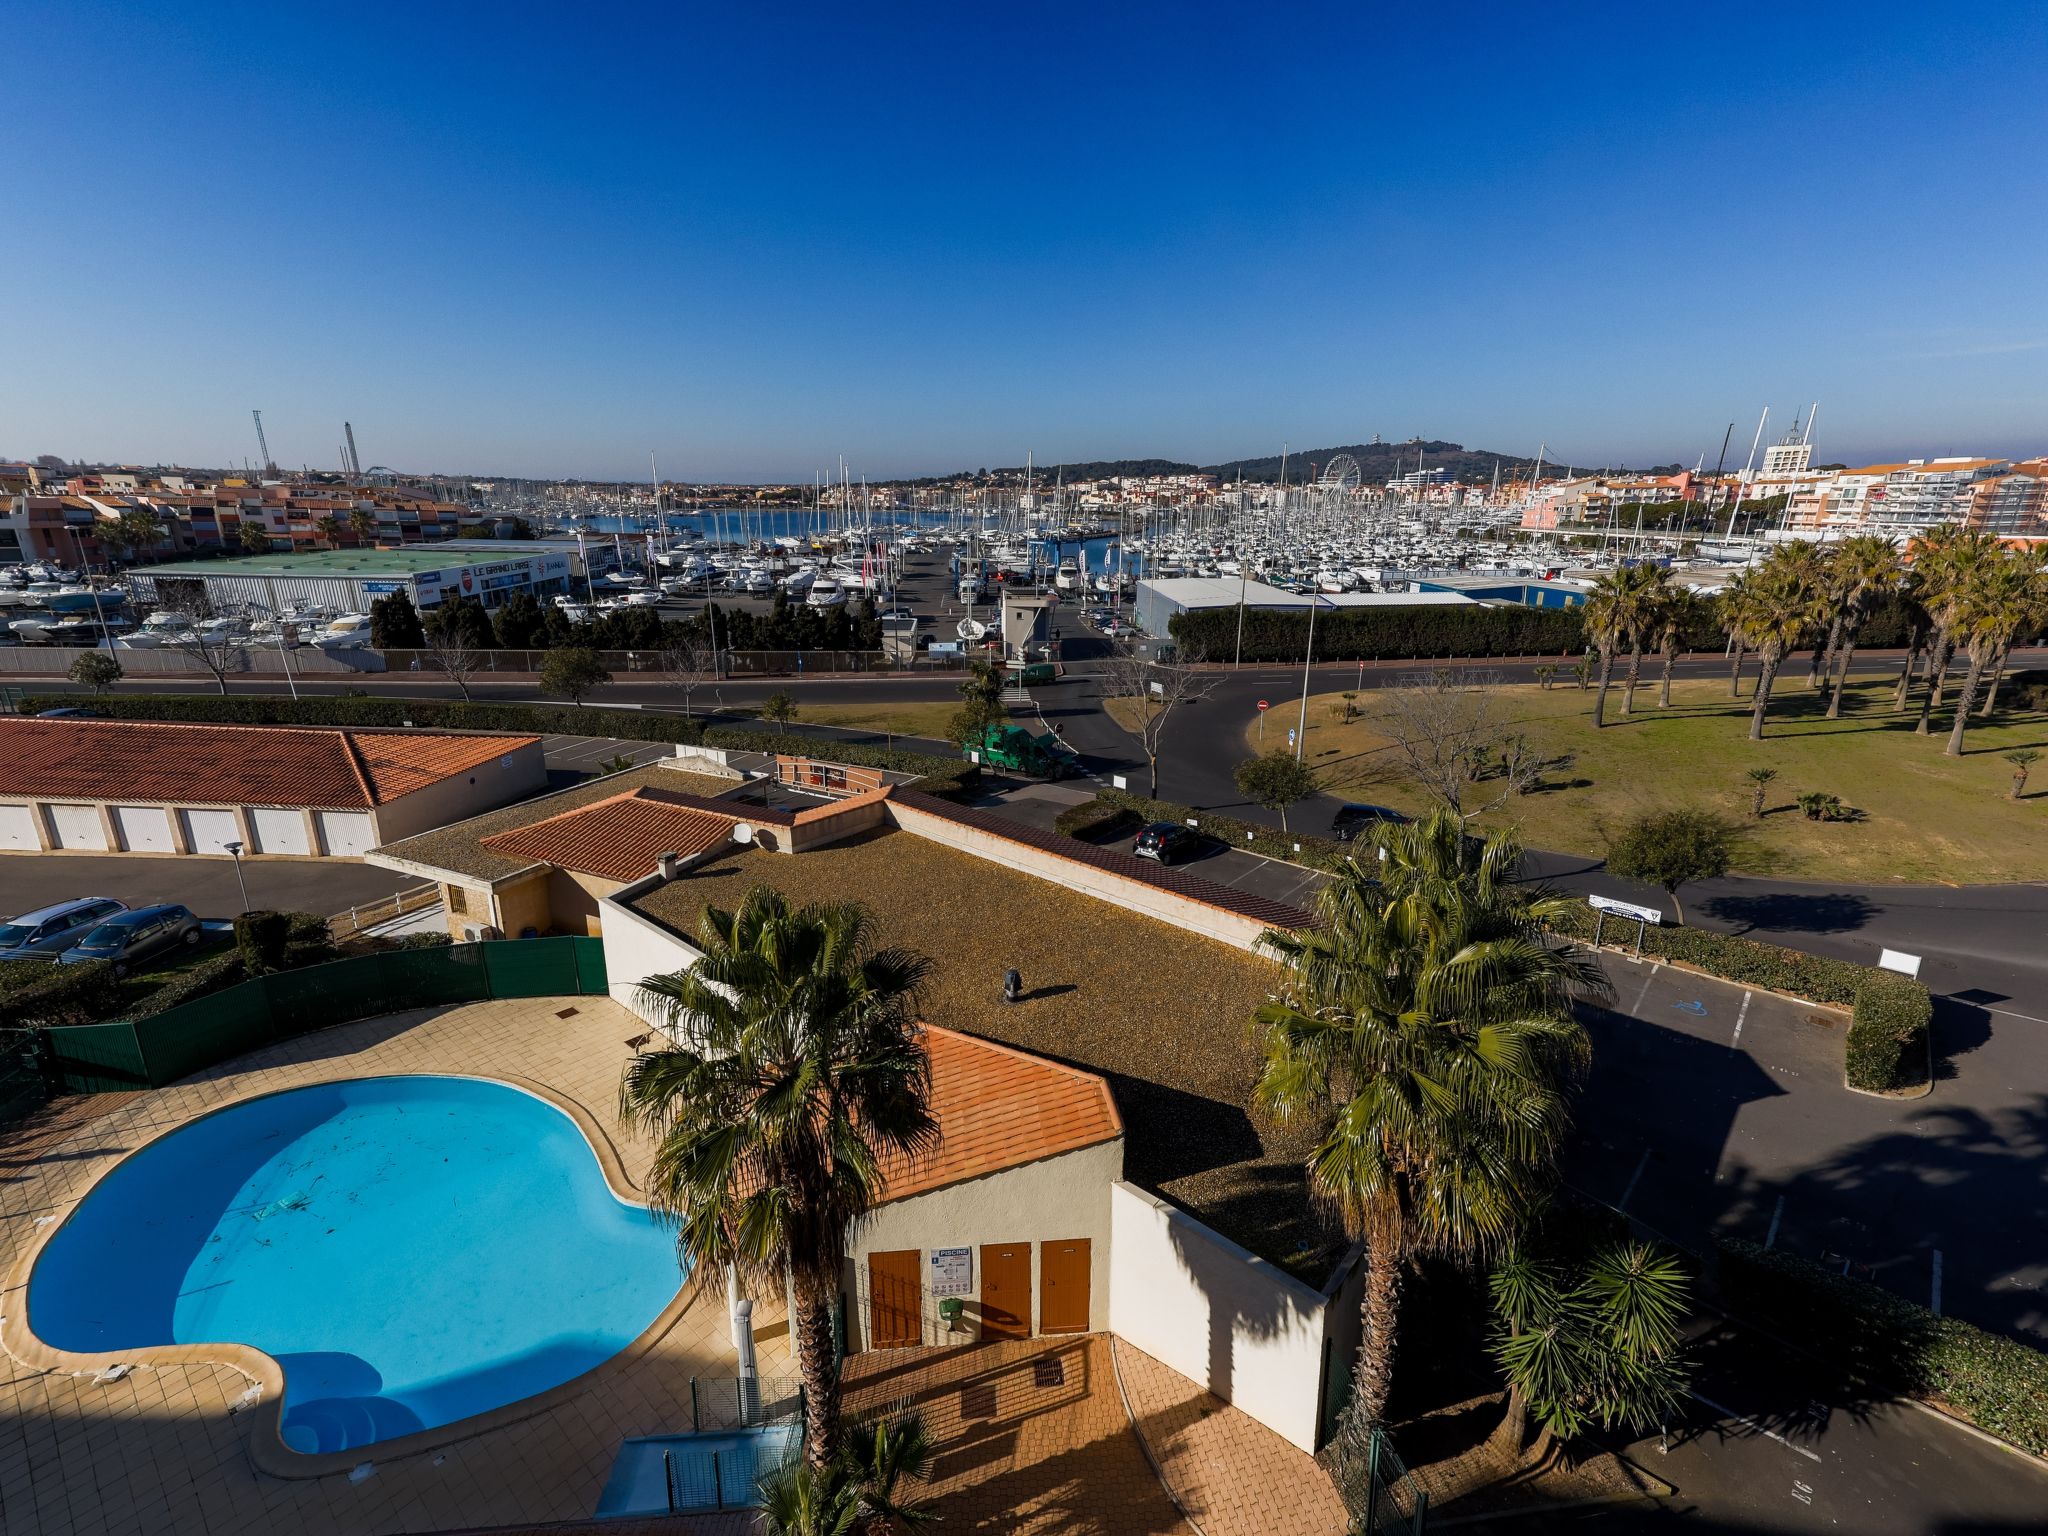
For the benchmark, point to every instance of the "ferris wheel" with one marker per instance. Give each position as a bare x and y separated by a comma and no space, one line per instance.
1342,473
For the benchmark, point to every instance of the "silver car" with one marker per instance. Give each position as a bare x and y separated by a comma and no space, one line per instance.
49,931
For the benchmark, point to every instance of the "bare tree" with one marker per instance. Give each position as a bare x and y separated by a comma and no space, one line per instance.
1452,739
214,635
1160,687
453,650
688,663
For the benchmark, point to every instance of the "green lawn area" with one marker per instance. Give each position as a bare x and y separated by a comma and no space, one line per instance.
908,717
1925,817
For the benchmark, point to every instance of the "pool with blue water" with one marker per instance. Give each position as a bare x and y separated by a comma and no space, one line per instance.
411,1251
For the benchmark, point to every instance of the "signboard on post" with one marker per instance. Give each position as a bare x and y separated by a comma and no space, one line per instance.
1625,909
952,1271
1900,961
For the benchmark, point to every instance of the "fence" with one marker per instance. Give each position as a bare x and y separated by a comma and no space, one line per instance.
24,1083
160,1049
731,1402
1382,1497
731,664
162,661
359,919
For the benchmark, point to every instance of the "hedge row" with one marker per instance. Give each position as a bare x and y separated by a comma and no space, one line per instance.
1749,962
40,994
1890,1345
1369,634
1888,1032
1110,805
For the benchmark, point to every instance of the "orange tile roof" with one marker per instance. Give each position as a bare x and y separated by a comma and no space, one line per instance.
620,838
155,761
1000,1108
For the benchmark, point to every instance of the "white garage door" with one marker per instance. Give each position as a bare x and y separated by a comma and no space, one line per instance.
143,828
18,827
78,826
346,832
280,831
210,831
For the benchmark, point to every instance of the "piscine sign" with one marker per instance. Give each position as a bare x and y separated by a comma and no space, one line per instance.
952,1271
1625,909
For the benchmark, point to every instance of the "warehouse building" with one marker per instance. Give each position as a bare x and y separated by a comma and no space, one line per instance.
349,580
134,786
1157,601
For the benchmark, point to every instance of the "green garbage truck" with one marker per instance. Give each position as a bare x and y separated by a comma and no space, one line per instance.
1014,748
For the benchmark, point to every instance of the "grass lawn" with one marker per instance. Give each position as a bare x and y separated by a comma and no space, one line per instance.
909,717
1926,817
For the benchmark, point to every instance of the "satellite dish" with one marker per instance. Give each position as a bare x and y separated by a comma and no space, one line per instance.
970,629
742,832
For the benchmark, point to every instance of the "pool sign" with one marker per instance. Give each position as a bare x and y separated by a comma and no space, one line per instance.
952,1271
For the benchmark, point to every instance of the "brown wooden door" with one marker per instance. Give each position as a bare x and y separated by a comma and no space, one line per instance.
1006,1291
1063,1286
895,1296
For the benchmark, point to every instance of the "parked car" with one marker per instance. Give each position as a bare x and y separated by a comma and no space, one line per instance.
1167,841
49,931
127,940
1355,818
69,712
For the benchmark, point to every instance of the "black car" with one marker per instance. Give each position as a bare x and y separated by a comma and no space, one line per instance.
1355,818
70,712
1167,841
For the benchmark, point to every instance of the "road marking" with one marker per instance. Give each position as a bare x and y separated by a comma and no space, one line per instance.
1803,1492
1777,1211
1935,1304
1743,1418
1739,1017
1647,980
2010,1013
1641,1162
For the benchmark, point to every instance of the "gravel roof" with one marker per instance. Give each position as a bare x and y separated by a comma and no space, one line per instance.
1162,1014
458,847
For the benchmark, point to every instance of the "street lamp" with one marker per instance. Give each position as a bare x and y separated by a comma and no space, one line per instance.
236,850
1315,601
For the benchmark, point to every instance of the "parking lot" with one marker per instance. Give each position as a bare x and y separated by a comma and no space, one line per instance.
577,757
206,885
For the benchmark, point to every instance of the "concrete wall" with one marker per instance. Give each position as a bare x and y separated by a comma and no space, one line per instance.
513,775
1061,1197
636,947
1104,885
823,824
1219,1315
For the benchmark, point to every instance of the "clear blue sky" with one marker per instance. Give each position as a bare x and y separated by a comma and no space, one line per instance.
548,238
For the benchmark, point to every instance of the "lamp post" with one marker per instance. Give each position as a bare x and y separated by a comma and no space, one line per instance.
1301,729
236,850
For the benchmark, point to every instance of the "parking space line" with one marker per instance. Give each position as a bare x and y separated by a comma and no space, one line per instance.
1739,1017
1777,1214
1647,980
1641,1163
1745,1419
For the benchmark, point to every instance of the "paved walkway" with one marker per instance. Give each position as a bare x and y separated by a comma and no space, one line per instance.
1232,1475
165,1450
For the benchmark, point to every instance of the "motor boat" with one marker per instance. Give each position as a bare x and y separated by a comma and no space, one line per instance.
825,593
644,598
345,633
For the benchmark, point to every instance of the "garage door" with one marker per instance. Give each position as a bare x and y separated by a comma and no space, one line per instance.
18,827
210,831
345,832
143,828
280,831
78,826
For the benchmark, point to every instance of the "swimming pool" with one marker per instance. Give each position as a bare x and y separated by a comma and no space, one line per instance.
411,1251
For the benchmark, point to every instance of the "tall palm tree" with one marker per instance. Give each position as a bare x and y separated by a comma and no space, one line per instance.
1946,558
1733,605
362,524
796,1078
1996,599
2036,562
1865,566
328,526
1612,615
861,1491
1676,607
1425,1030
1785,600
1652,595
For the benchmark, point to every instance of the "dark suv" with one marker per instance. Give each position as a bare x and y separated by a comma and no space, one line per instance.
1355,818
132,938
1167,841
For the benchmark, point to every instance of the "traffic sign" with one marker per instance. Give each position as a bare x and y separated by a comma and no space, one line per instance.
1262,703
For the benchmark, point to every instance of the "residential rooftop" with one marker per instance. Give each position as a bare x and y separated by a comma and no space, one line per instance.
352,562
1161,1013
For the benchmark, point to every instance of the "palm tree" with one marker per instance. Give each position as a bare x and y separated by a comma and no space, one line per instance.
2036,606
1676,605
1652,588
1865,566
362,524
796,1077
860,1490
1613,614
1733,604
1782,601
1425,1030
1761,778
2021,758
328,526
1946,558
1993,601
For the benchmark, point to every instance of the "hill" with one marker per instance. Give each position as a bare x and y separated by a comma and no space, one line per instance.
1380,462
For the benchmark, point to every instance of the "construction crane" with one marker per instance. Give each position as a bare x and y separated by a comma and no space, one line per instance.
269,464
355,464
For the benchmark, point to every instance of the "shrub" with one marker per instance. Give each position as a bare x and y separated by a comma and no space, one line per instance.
1749,962
1887,1031
1671,848
1095,821
1888,1344
216,973
44,994
1255,837
261,939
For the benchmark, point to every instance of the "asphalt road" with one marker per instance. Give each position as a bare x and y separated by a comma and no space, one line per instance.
205,884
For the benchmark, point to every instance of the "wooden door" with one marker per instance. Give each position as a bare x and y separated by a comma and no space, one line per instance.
895,1297
1006,1291
1063,1286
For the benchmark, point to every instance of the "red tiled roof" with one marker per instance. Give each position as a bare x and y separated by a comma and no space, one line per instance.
231,764
620,838
1000,1108
1260,909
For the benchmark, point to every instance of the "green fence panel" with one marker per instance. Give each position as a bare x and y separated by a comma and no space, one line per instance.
532,967
98,1058
195,1035
591,975
437,978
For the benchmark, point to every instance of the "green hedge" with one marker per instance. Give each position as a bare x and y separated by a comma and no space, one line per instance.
1890,1345
1096,821
216,973
1747,961
37,994
1888,1032
1253,836
1369,634
942,775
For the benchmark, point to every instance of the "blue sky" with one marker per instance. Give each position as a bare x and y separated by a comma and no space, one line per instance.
548,239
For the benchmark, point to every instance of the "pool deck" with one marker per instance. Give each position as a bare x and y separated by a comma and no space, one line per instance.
168,1447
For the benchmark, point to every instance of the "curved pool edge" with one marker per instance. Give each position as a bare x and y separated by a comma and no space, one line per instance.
268,1452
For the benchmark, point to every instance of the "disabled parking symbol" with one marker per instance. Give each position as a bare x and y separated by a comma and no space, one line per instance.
1694,1006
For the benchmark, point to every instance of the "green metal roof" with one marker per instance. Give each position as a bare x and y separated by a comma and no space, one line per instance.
346,562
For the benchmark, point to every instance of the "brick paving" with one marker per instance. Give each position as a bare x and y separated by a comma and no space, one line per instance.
1232,1475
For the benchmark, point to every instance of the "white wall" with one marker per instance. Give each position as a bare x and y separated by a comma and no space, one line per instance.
1221,1316
1057,1198
637,947
513,775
